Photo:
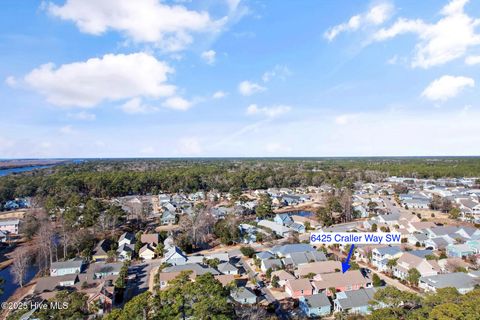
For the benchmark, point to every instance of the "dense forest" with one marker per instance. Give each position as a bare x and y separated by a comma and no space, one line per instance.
119,177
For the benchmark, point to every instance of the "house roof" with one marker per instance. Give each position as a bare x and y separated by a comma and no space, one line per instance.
299,284
9,222
338,279
101,267
272,263
226,266
355,298
291,248
242,293
264,255
317,300
388,250
73,263
457,280
195,267
283,275
319,267
126,236
225,279
102,248
145,249
149,238
299,258
50,283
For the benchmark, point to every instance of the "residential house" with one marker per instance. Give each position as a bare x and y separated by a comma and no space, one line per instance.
174,256
459,250
150,238
410,261
287,249
282,219
463,282
296,259
317,305
319,267
278,229
283,277
227,268
354,302
298,287
51,284
243,295
10,226
125,252
273,264
61,268
147,252
168,218
381,256
350,280
102,269
127,238
100,252
438,243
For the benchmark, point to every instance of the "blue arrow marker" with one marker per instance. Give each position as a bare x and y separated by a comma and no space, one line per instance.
346,265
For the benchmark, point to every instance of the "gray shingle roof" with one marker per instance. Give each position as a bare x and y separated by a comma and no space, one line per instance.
356,298
318,300
457,280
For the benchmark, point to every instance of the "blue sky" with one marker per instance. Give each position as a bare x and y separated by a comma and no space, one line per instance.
150,78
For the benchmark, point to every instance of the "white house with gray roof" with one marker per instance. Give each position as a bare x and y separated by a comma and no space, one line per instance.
463,282
61,268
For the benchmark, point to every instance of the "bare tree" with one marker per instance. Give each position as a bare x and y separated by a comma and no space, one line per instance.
21,261
46,244
346,202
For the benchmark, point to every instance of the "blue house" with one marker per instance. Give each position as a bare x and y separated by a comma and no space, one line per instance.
463,250
316,305
283,219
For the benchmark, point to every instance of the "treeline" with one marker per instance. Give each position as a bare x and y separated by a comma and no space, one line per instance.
109,178
99,179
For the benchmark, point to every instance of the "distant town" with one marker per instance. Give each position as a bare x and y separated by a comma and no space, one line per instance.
244,253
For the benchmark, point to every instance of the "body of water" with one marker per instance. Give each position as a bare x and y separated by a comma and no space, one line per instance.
306,214
4,172
9,286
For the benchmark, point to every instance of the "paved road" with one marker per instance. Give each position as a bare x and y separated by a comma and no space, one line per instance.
391,206
281,314
142,270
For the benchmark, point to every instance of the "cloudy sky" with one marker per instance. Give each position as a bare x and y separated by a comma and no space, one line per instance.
152,78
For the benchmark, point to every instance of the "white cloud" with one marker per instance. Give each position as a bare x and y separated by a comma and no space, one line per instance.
110,78
446,40
344,119
247,88
279,71
147,151
447,87
279,148
219,95
11,81
82,115
209,56
377,15
170,27
270,112
68,129
136,106
177,103
190,146
472,60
